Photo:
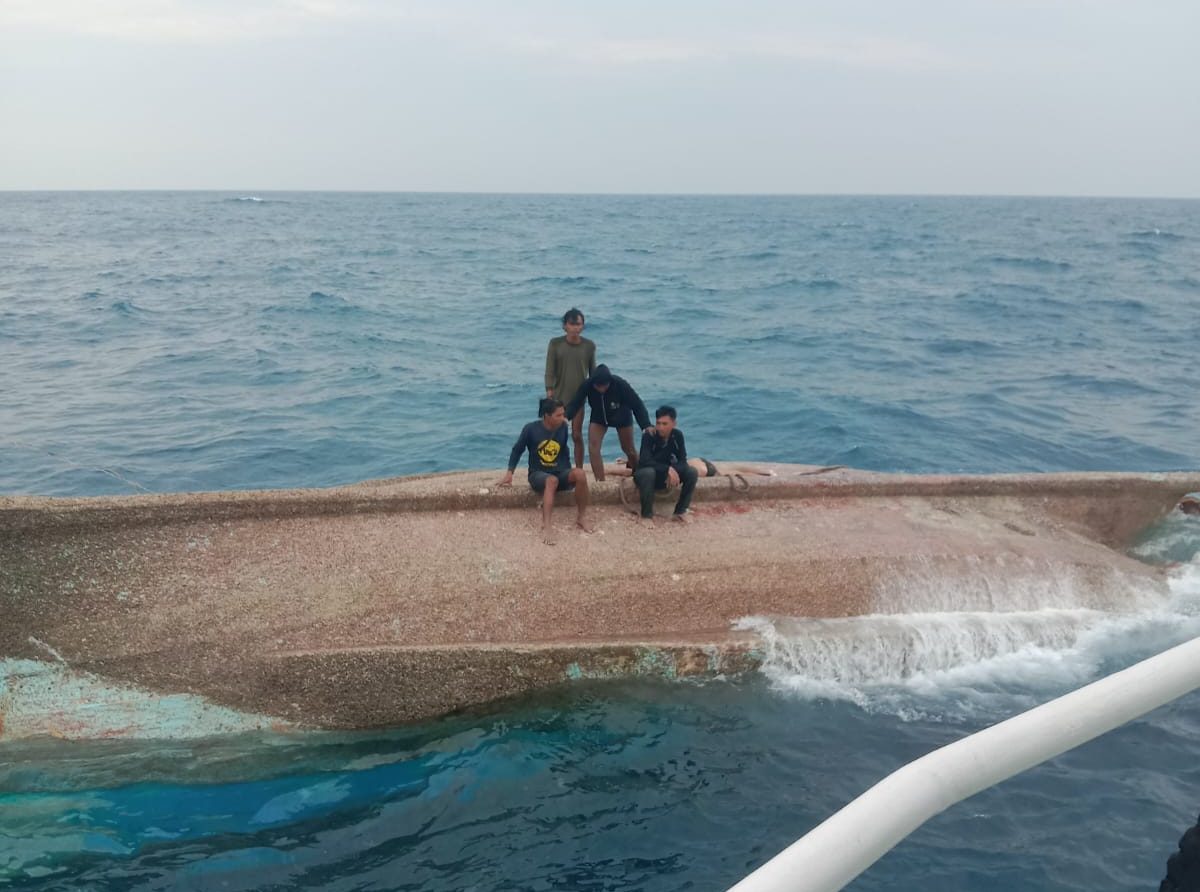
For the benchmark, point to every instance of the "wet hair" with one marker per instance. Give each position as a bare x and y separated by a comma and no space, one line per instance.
547,406
573,315
665,410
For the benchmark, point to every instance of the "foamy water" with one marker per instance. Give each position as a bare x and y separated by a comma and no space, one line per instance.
959,664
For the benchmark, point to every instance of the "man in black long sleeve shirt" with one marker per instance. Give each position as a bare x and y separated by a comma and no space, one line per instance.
614,403
550,465
663,463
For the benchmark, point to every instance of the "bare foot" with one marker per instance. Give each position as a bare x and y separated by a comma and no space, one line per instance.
681,518
548,535
584,524
646,522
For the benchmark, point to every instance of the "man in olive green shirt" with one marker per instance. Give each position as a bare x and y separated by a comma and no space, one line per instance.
570,359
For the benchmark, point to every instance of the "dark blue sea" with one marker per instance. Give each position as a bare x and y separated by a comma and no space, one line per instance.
199,341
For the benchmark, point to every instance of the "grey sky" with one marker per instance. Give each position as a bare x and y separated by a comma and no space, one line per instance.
1060,97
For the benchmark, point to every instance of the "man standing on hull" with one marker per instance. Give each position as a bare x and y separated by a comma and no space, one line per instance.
550,468
614,404
569,361
663,463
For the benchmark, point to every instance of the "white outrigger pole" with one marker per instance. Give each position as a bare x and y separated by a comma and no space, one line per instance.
838,850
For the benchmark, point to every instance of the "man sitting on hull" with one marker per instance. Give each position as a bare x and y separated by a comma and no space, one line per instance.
663,463
550,468
614,403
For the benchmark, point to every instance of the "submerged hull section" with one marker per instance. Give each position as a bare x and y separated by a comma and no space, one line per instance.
399,600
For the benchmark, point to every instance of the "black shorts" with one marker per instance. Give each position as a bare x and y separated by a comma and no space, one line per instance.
625,419
710,470
537,480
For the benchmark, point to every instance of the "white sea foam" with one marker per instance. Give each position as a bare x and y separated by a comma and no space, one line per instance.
952,664
1175,539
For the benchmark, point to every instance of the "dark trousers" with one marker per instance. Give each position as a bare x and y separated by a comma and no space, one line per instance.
644,478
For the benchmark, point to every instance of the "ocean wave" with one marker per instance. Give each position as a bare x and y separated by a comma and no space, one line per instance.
906,648
127,308
998,406
1174,540
954,665
1163,234
700,312
958,346
199,278
823,284
796,283
1125,303
1014,289
317,302
1095,384
585,282
771,337
1034,264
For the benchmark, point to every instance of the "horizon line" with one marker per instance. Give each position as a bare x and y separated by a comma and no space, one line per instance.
611,194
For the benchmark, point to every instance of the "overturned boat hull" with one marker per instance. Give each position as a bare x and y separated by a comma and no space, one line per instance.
399,600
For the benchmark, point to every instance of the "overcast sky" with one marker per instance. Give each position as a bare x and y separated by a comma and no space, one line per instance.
1059,97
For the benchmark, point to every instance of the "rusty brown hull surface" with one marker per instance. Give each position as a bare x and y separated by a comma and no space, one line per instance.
398,600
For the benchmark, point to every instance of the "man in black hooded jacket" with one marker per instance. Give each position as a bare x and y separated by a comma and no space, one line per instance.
614,403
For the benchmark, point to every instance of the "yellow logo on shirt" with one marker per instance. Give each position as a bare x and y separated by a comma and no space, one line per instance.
548,451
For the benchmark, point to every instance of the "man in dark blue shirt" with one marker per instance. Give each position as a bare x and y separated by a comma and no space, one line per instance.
614,403
663,463
550,465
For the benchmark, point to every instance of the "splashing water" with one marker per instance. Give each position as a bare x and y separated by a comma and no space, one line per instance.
955,665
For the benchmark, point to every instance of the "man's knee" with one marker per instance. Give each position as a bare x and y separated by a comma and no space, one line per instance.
644,477
688,474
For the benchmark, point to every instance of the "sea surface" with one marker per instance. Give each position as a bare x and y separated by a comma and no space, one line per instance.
199,341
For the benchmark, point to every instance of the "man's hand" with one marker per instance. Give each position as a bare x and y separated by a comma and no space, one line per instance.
651,430
506,480
672,477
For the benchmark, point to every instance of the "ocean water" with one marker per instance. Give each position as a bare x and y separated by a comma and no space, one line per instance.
190,341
